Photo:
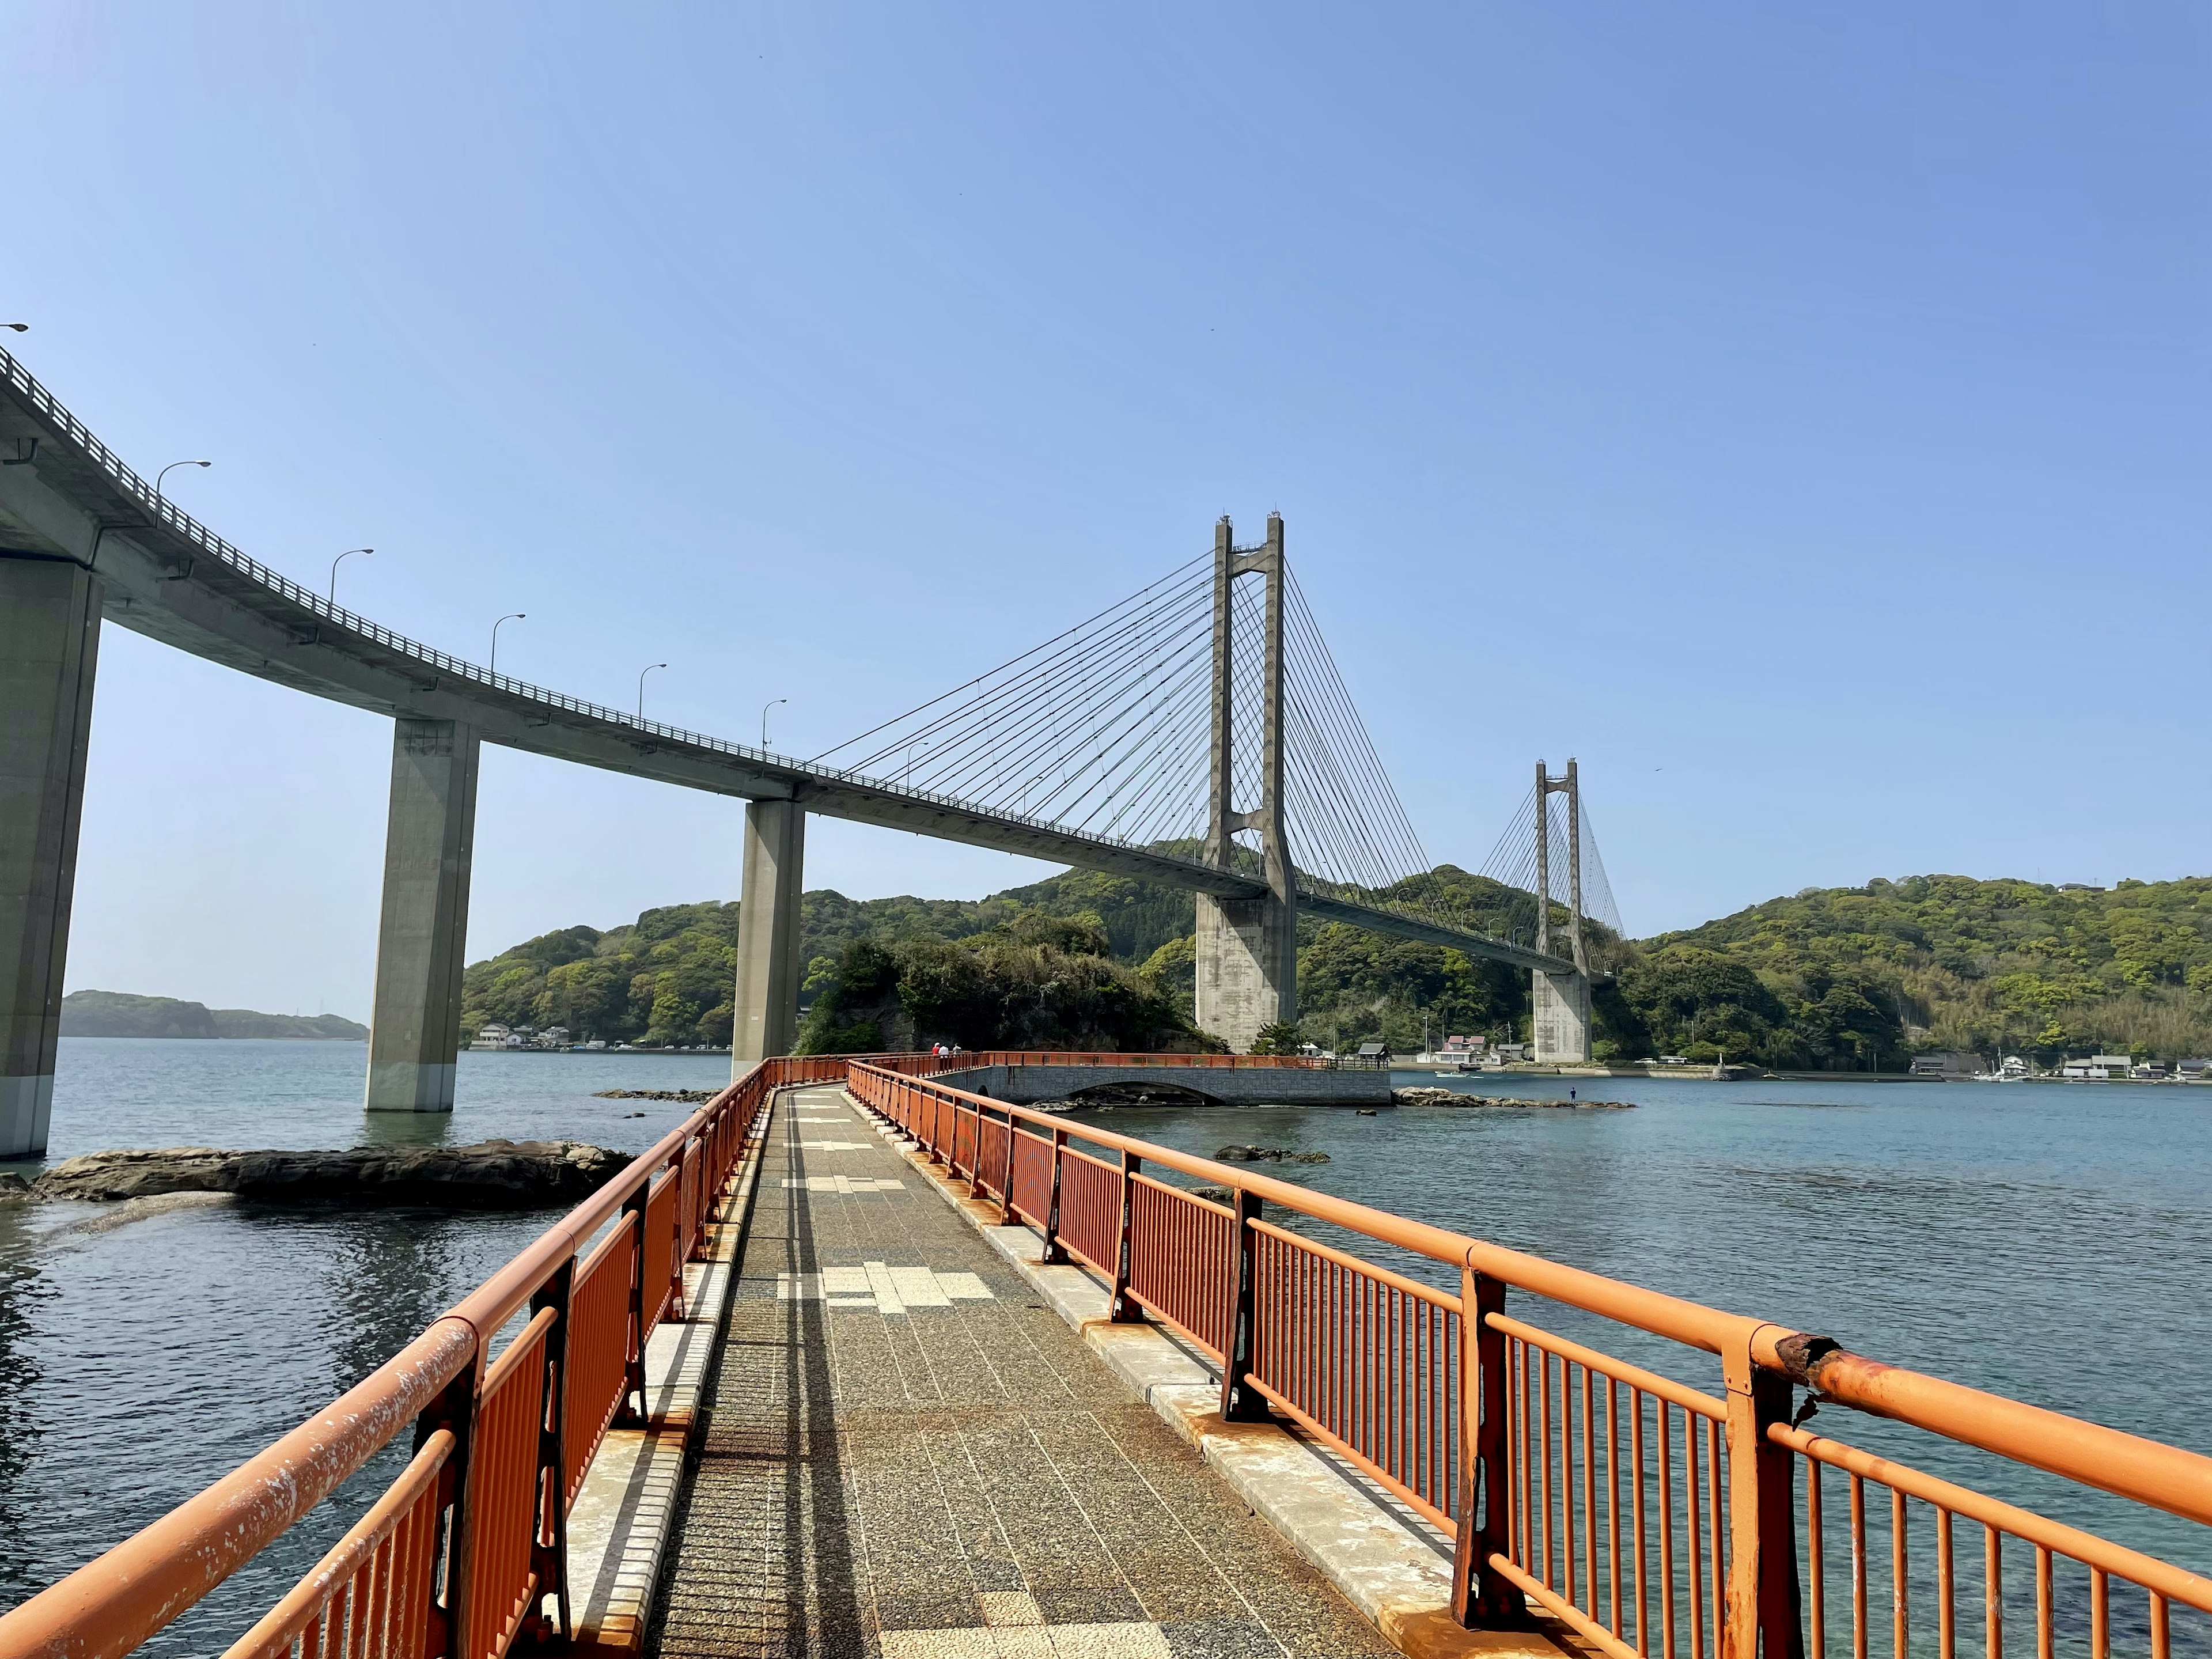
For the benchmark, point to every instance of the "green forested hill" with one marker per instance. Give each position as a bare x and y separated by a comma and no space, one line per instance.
121,1014
1847,978
1966,964
668,978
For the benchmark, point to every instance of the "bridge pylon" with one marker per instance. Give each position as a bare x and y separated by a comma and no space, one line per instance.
49,659
1561,1001
768,965
421,936
1248,948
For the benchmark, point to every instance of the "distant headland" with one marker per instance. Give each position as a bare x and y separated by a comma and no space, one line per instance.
119,1014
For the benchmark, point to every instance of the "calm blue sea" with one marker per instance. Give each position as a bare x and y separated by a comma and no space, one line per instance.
2049,1241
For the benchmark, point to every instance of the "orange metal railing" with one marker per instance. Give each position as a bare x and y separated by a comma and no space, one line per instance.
466,1550
1653,1517
1658,1519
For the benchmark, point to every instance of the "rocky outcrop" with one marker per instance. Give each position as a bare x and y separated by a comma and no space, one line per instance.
1267,1155
493,1175
1425,1096
686,1097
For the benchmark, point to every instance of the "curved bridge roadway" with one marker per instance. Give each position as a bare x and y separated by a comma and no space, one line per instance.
84,539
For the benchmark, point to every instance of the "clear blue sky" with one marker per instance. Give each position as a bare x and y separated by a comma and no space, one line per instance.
1798,414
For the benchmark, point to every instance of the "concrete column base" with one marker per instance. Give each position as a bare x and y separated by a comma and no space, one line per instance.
1562,1017
1246,968
26,1110
410,1086
765,1003
423,935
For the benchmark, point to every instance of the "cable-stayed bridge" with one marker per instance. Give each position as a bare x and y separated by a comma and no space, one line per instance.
1197,734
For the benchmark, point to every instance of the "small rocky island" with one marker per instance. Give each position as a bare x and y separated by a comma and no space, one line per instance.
1426,1096
492,1175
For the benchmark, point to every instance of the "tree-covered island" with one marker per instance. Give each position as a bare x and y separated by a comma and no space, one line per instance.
1846,979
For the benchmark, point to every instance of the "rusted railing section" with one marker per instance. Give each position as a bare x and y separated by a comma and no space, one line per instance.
1652,1517
466,1552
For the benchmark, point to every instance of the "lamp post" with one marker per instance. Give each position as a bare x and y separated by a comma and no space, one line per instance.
764,709
641,673
171,467
365,552
511,616
20,328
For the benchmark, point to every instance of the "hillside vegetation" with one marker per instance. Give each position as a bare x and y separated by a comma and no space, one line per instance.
121,1014
1833,978
1034,982
1957,963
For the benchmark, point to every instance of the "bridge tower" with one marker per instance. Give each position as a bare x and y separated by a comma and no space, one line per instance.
49,658
1248,948
1562,1001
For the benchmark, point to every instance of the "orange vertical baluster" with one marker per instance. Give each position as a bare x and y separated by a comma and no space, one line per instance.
1947,1619
1859,1569
1900,1579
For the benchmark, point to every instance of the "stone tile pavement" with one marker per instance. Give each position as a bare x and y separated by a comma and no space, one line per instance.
906,1454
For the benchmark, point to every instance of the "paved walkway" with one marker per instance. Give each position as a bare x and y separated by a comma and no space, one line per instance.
906,1454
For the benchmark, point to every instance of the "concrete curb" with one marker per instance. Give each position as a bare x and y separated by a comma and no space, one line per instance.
1385,1560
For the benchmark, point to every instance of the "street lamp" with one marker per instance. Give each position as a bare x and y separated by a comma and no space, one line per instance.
20,328
641,673
764,709
171,467
511,616
365,552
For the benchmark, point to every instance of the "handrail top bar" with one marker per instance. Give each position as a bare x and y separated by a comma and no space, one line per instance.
2111,1460
113,1602
2130,1466
1664,1316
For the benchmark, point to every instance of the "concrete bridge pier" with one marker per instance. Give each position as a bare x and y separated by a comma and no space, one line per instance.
1562,1022
421,940
768,965
49,658
1247,967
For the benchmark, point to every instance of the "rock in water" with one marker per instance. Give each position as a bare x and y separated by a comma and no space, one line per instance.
1427,1096
1267,1155
493,1175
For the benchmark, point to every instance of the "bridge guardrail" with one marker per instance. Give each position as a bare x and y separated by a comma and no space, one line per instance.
1472,1420
460,1552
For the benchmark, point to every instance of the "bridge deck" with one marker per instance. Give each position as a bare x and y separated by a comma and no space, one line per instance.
905,1454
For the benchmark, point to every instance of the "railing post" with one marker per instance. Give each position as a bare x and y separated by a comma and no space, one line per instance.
678,1248
1056,1252
549,1547
1762,1574
1240,1404
1482,1597
1006,1187
454,1409
1124,1308
634,1362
